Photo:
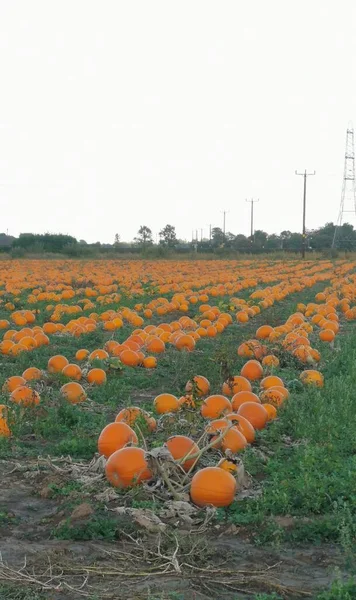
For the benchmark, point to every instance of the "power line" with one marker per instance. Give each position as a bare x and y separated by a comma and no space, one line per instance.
305,175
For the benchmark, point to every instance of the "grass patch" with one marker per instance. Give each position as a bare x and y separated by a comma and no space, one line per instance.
311,471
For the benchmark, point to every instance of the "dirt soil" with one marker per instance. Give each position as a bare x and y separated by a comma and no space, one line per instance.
226,564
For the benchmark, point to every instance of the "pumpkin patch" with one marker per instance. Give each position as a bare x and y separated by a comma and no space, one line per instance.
161,385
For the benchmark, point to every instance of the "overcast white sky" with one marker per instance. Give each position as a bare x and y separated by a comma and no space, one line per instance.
118,113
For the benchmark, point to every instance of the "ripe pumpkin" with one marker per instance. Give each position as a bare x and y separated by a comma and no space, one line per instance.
271,381
214,406
252,370
216,425
25,396
255,413
150,362
186,401
271,411
233,440
166,403
96,376
312,377
12,383
213,486
73,392
32,373
243,425
155,345
228,465
114,437
242,397
127,467
199,384
131,414
185,342
181,446
4,428
270,361
81,354
57,363
326,335
264,332
272,396
72,371
236,384
98,354
130,358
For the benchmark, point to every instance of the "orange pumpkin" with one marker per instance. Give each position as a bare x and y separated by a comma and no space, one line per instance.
166,403
25,396
236,384
32,373
127,467
243,425
233,440
114,437
271,411
181,446
228,465
312,377
270,361
271,381
272,396
213,486
57,363
96,376
242,397
264,332
130,358
98,354
150,362
214,406
185,342
12,383
326,335
131,414
82,354
73,392
4,428
72,371
199,384
255,413
252,370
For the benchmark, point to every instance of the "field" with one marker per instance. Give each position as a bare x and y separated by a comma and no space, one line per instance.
273,342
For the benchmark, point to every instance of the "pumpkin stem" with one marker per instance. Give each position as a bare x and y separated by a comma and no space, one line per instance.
212,444
142,436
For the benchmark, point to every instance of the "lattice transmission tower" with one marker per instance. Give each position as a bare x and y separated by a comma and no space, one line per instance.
344,238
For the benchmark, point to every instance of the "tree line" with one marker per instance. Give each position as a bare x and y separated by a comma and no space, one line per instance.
316,240
218,242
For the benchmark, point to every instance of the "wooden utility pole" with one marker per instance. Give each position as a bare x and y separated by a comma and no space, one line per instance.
224,221
252,202
305,175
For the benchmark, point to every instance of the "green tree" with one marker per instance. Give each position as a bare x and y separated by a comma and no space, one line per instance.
217,237
168,236
241,243
273,242
144,236
47,242
259,239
